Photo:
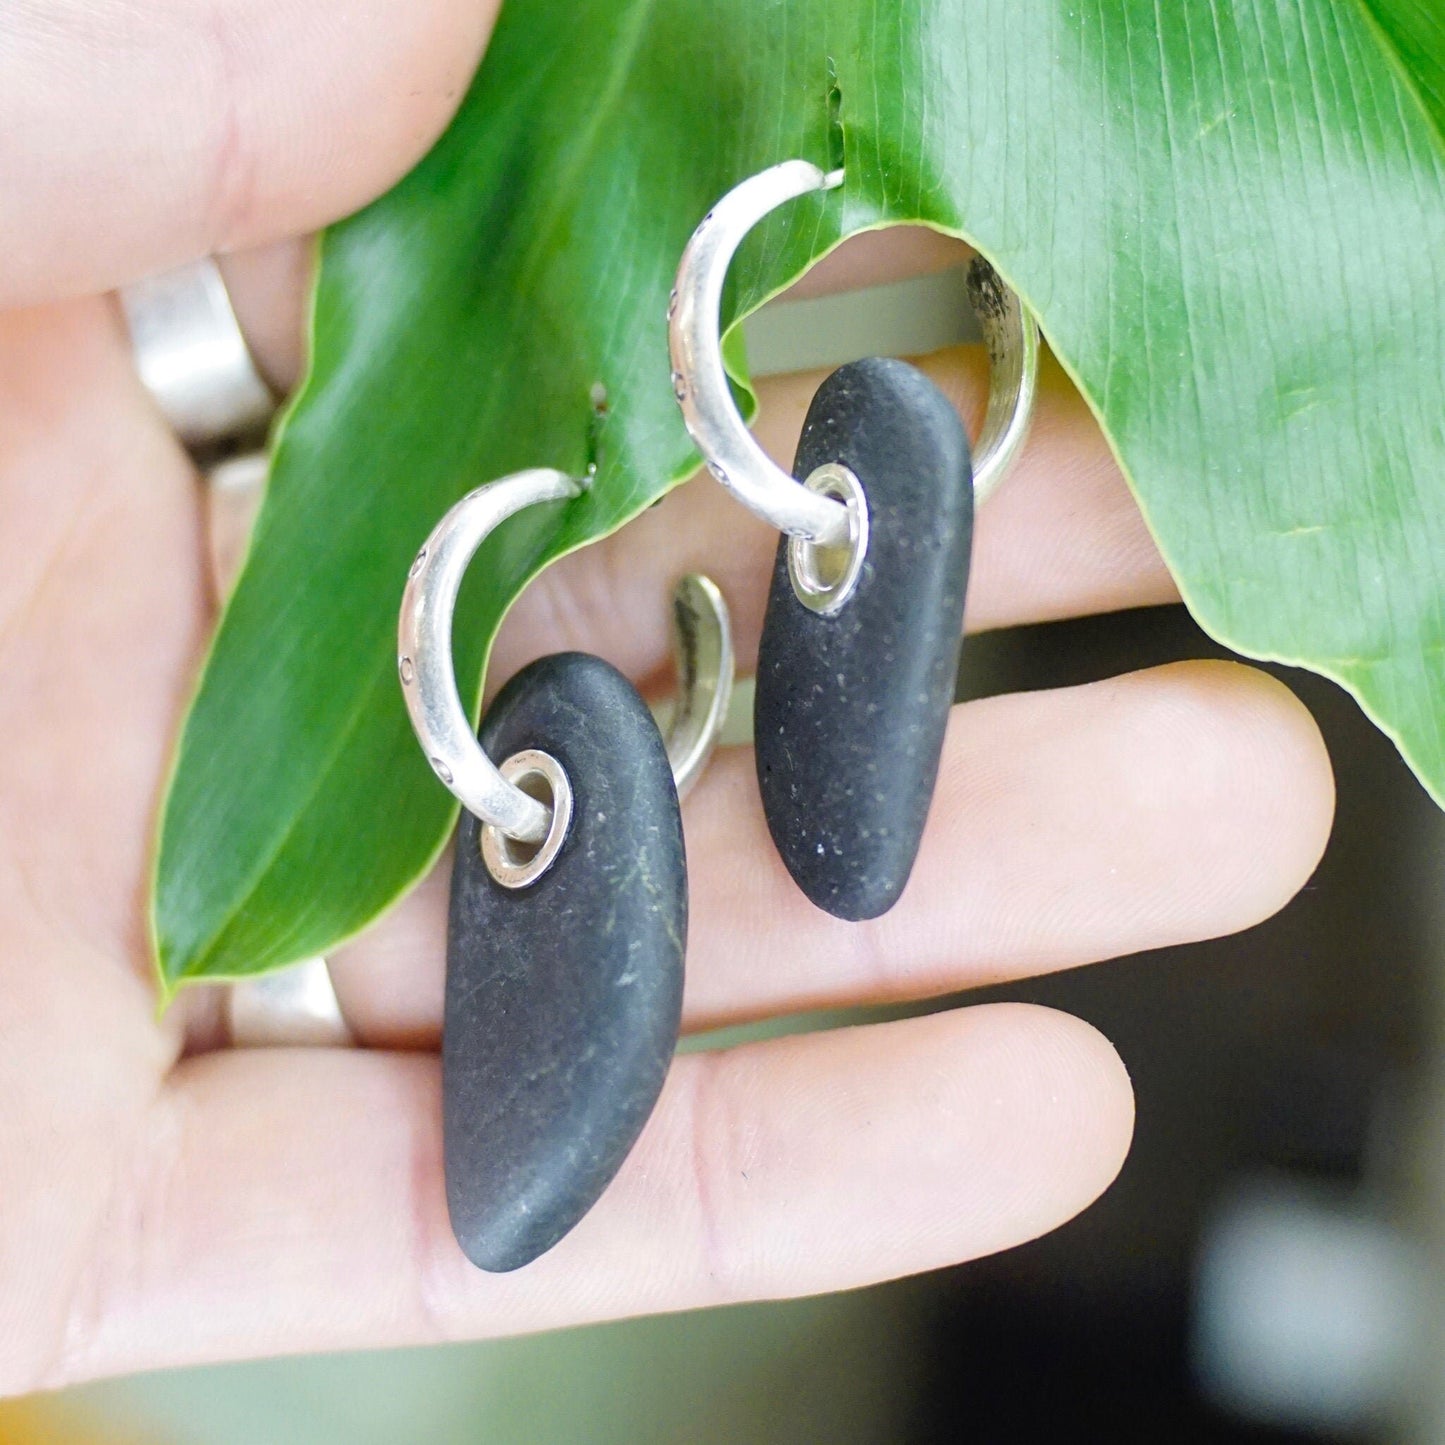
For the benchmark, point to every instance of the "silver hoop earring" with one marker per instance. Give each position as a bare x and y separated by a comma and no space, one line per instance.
858,658
568,915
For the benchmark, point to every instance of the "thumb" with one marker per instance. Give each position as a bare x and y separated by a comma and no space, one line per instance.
134,138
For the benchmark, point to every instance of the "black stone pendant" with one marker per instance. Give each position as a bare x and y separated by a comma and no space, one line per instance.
851,709
564,997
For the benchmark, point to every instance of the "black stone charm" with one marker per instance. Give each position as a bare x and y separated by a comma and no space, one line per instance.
851,709
563,998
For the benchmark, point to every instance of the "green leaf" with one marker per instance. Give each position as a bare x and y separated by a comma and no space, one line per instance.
1229,216
1415,31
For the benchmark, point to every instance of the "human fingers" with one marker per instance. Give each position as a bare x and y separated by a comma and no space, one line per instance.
102,600
1167,806
292,1200
139,137
1062,537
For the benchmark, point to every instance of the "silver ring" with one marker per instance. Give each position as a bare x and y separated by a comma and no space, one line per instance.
295,1007
701,385
193,359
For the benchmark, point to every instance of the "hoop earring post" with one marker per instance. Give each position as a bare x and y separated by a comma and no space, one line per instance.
424,652
702,645
699,380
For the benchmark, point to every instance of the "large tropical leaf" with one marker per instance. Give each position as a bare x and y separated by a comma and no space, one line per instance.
1229,216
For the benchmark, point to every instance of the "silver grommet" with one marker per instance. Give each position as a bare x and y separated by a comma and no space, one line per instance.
512,862
825,576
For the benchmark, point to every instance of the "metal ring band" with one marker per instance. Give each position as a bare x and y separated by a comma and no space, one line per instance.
193,358
700,382
294,1007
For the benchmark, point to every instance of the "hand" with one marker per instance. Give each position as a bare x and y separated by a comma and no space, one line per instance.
167,1200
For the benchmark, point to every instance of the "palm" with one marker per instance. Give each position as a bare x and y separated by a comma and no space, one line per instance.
165,1199
104,608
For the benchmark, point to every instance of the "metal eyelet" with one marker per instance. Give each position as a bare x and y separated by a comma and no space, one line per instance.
824,577
512,862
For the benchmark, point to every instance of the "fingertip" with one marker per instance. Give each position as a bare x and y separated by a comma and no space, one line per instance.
882,1150
1250,768
1060,1106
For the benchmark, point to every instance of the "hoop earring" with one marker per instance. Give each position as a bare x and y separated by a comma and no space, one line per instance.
859,652
568,915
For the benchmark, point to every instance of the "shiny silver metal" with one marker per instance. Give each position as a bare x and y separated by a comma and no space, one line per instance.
192,357
540,775
712,418
424,652
702,645
699,381
194,361
823,578
1012,337
233,495
526,805
296,1007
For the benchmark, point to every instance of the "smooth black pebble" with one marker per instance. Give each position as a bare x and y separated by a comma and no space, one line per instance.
851,709
563,998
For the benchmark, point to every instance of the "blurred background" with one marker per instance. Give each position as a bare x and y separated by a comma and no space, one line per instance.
1270,1266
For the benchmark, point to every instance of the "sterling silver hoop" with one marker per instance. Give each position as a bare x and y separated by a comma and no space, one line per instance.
424,652
525,804
699,381
702,651
712,419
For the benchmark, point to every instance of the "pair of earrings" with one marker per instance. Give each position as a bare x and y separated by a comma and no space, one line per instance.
568,915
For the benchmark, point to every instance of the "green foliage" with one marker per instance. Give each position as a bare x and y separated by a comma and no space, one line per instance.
1229,216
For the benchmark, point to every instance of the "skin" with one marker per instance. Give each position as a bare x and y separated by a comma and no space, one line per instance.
164,1199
